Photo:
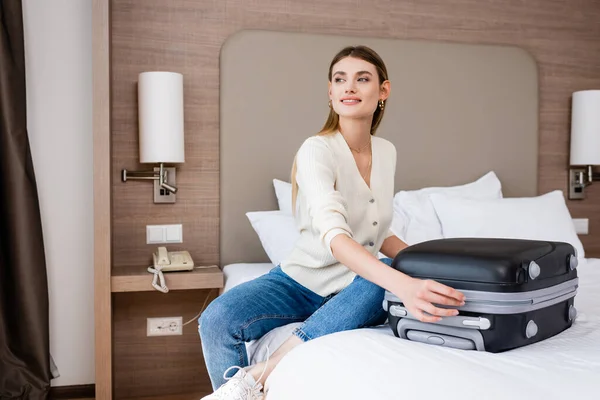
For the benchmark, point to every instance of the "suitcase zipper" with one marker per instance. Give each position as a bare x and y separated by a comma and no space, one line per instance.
508,303
524,299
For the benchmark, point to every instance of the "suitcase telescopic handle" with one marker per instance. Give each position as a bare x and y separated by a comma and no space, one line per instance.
458,321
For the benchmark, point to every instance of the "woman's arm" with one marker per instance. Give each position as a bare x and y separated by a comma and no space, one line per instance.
417,295
392,245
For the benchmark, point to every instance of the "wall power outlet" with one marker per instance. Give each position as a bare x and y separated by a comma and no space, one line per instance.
166,326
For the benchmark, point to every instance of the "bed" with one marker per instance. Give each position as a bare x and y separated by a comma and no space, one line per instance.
455,115
372,363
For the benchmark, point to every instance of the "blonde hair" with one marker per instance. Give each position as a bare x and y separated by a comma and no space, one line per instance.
332,124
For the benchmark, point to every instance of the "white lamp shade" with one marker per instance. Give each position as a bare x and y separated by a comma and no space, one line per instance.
160,114
585,128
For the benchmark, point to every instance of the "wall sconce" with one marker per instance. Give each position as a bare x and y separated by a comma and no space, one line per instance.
585,141
161,133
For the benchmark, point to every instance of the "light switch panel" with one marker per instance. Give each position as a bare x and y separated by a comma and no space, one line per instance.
174,233
164,234
581,225
155,234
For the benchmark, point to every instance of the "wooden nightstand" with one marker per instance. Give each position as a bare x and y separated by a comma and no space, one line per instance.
177,359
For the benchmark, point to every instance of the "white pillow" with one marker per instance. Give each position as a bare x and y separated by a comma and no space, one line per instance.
544,217
277,232
414,211
283,191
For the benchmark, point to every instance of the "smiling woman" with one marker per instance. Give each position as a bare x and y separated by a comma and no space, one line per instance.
332,281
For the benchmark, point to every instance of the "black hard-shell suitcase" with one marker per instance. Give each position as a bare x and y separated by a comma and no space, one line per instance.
518,292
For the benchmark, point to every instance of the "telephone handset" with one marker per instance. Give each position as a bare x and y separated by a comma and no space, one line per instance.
169,261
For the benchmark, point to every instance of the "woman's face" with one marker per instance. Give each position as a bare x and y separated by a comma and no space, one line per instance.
354,89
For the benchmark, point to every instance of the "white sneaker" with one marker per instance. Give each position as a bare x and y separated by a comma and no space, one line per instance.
241,386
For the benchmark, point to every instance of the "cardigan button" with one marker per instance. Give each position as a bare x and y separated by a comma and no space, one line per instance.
372,201
375,223
371,244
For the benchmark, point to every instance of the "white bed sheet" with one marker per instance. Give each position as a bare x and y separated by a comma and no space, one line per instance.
235,274
373,364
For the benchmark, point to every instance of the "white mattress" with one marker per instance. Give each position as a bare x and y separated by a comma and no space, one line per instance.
236,274
373,364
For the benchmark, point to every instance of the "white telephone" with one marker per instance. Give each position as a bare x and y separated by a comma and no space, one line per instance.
169,261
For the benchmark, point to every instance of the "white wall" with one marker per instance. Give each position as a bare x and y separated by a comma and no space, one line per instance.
58,54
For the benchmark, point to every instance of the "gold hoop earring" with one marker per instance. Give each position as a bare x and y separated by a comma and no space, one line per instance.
329,103
381,105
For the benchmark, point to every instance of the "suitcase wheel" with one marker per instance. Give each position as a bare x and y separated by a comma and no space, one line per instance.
573,262
531,330
572,313
534,270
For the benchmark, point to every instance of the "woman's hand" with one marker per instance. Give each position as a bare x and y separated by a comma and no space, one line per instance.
419,297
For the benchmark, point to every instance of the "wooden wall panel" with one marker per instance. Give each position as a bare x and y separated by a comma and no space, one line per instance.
186,35
102,199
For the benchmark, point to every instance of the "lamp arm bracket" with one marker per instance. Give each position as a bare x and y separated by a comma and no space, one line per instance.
129,175
161,176
148,174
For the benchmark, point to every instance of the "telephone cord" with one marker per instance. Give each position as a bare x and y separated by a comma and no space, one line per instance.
158,274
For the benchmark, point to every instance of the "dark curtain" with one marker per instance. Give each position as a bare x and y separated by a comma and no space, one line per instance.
24,328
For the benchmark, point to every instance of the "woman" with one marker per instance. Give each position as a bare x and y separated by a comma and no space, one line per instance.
343,186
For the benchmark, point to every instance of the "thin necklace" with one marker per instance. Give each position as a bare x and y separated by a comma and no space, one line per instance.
363,175
361,148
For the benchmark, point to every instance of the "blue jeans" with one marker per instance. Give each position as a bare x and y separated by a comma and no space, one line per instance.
250,310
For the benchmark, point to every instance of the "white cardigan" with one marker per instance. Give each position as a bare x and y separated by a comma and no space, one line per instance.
334,199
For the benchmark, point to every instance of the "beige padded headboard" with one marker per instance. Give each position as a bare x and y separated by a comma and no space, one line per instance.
456,111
